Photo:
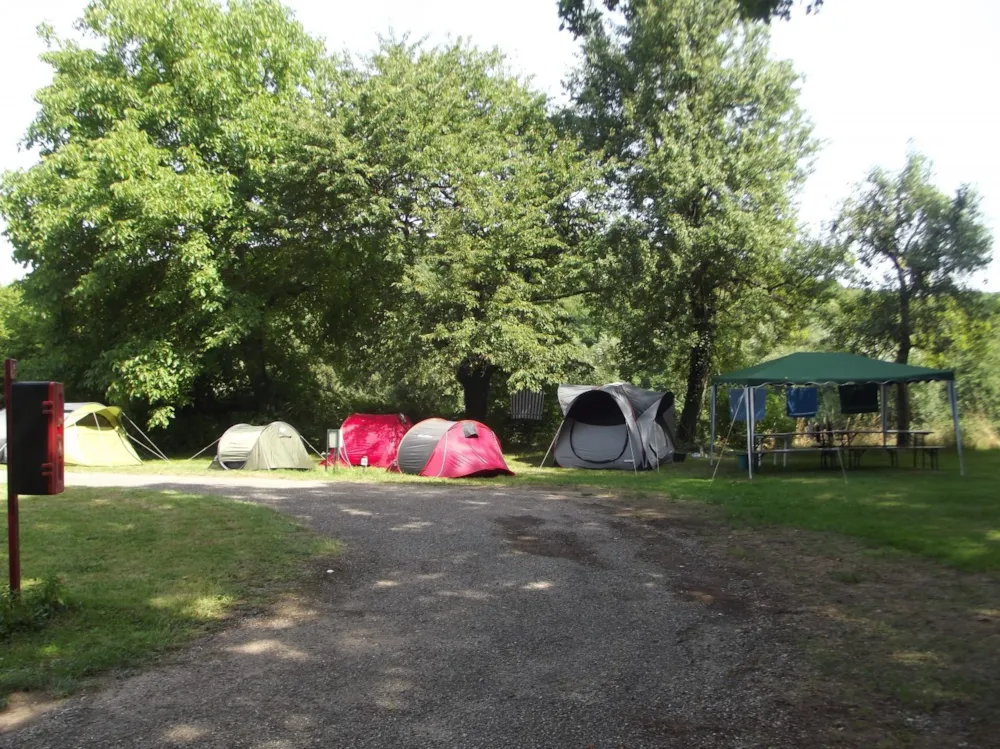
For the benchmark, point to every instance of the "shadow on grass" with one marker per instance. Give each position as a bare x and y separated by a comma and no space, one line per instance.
144,571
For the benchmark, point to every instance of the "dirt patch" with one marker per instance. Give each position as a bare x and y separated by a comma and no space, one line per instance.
713,596
527,534
897,651
690,576
22,708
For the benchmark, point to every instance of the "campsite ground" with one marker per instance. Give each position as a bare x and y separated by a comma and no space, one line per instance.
937,514
142,571
879,596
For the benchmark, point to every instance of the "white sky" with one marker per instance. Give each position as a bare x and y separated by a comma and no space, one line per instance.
879,75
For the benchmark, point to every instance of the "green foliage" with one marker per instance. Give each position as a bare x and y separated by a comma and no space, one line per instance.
955,331
481,232
911,245
140,222
22,334
767,10
29,610
580,16
704,144
225,219
912,248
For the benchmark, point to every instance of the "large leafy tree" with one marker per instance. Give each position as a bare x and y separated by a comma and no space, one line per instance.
577,14
704,143
142,222
911,245
470,236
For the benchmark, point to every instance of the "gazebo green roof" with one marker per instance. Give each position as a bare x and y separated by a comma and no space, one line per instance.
807,368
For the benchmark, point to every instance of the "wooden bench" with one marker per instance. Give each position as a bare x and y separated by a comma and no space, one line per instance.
825,454
928,454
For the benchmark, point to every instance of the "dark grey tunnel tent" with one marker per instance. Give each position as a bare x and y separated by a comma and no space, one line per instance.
617,426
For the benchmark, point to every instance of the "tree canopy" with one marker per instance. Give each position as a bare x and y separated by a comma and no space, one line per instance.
704,143
141,220
490,203
909,246
580,15
220,208
226,222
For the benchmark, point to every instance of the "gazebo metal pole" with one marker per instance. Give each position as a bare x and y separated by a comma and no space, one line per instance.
953,398
885,413
711,437
748,400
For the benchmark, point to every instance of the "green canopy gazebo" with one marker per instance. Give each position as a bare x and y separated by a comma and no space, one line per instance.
806,368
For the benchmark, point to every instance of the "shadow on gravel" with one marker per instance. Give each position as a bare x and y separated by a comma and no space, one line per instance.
464,617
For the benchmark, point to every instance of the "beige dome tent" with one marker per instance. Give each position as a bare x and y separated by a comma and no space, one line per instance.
262,448
93,436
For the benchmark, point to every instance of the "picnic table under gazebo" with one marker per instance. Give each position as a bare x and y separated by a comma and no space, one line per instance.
807,369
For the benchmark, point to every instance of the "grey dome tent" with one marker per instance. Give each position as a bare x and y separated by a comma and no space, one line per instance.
618,426
262,448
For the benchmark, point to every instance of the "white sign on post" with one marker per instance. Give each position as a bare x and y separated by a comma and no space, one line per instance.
334,442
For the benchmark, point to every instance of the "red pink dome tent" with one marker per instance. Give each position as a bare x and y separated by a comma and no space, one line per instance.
451,449
375,436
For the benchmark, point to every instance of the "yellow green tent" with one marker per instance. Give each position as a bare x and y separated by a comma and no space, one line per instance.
94,436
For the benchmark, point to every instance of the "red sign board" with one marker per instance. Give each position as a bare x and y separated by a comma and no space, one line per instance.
35,438
35,463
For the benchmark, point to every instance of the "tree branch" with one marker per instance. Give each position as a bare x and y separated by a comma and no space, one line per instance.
567,295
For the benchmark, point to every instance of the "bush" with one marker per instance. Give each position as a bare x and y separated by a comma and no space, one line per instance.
32,608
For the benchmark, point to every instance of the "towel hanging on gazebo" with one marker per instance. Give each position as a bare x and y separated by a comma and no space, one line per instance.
802,403
738,409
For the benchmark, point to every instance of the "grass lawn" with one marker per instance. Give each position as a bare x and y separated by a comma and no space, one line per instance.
936,514
144,571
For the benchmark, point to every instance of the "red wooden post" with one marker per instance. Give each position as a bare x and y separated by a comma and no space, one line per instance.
13,521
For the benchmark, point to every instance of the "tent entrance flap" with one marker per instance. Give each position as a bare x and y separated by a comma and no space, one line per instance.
590,444
597,408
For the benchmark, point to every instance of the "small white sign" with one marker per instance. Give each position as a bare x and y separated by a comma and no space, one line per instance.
333,439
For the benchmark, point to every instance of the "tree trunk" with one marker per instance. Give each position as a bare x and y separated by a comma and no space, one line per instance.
474,375
699,368
262,387
903,357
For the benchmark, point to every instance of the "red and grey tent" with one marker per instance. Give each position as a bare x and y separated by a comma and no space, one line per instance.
451,449
375,436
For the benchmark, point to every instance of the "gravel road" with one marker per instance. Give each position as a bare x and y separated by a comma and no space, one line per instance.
460,617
